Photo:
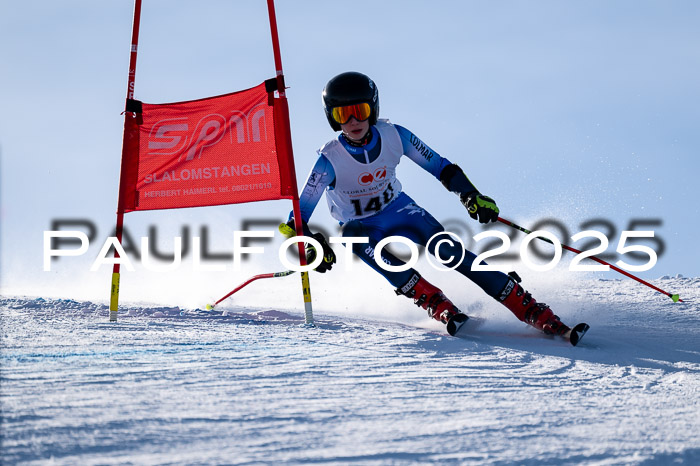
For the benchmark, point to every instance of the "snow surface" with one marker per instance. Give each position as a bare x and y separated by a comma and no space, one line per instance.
166,385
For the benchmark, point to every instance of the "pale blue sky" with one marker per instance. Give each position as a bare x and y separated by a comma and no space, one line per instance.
568,109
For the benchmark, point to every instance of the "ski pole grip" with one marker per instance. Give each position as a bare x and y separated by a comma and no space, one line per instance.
287,231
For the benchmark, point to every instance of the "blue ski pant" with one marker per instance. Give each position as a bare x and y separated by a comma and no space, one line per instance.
404,217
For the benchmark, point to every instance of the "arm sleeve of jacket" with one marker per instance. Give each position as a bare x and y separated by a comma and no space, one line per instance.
321,176
448,173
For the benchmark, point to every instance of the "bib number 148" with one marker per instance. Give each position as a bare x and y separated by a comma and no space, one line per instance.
374,204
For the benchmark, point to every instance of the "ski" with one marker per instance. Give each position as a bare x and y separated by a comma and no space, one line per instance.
455,323
576,333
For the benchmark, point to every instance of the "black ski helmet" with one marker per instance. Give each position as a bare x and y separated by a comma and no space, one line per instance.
347,89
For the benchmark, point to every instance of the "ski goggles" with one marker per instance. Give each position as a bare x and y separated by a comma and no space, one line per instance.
360,112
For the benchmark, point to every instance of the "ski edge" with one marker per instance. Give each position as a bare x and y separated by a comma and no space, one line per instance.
577,333
455,323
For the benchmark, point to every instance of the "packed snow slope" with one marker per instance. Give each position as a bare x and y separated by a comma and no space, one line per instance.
168,385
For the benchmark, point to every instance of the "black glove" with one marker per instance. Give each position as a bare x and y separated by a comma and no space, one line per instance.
328,254
479,206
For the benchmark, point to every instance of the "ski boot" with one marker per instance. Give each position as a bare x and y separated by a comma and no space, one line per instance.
434,301
539,315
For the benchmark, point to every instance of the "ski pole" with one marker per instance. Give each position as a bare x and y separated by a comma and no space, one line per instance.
252,279
674,297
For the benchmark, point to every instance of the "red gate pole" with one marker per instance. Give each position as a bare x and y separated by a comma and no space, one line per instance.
114,293
282,101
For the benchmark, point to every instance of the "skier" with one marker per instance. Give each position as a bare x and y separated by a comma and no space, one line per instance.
357,171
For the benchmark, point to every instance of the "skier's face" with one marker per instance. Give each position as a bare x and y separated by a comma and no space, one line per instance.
355,130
